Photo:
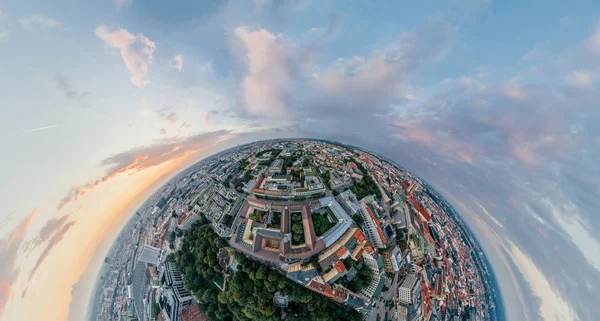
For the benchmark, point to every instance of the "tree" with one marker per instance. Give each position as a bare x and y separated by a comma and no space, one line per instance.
250,289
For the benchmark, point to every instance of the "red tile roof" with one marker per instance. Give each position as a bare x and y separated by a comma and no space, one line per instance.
340,267
341,252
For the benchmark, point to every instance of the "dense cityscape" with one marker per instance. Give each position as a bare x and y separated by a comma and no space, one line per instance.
308,224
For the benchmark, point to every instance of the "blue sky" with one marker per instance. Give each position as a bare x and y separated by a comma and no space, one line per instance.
494,103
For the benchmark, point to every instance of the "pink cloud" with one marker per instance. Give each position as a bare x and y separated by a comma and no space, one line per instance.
144,157
415,131
10,249
136,51
56,238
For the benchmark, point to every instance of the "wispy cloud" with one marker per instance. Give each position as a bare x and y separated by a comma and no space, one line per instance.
34,130
54,234
69,91
138,159
10,249
168,114
4,33
38,22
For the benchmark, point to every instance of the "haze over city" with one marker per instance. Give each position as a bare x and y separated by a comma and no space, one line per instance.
492,103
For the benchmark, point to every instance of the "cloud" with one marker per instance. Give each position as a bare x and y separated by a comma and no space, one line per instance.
527,124
176,62
581,78
138,159
70,93
281,79
209,115
38,22
35,129
163,132
503,141
136,51
54,233
593,42
51,227
262,3
553,307
120,3
10,249
168,114
263,87
4,33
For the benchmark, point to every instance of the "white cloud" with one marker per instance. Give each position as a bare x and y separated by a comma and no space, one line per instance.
268,71
136,50
262,3
581,78
573,223
176,62
553,306
38,22
4,34
121,3
594,41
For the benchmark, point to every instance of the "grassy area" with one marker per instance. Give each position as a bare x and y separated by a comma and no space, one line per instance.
297,228
276,220
321,223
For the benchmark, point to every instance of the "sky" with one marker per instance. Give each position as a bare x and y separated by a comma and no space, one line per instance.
493,103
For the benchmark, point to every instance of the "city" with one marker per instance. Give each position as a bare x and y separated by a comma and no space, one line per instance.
339,221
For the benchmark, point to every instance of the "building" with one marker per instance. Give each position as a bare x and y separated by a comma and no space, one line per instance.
149,254
274,244
372,225
177,297
349,202
354,172
249,186
185,222
392,259
139,288
410,298
301,273
276,166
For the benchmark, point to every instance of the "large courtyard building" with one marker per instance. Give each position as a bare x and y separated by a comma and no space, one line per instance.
265,229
